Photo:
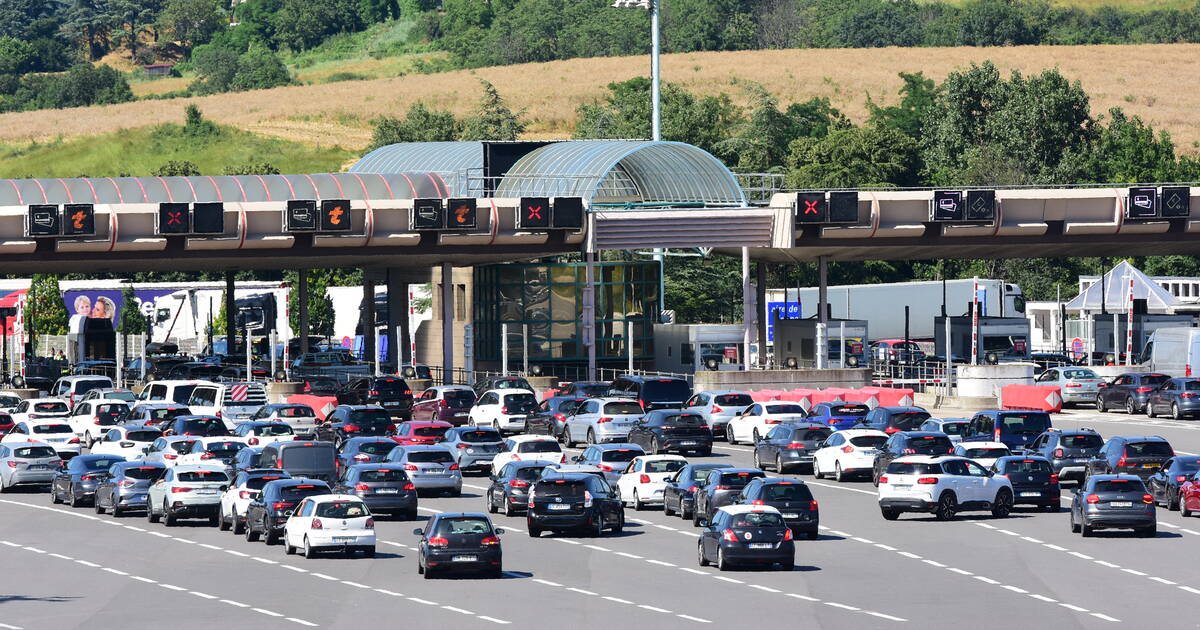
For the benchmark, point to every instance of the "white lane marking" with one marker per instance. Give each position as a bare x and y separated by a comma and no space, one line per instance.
883,616
569,542
546,582
616,599
237,553
431,510
1164,581
804,597
838,605
909,554
1081,555
208,546
1048,600
115,571
690,570
494,620
159,534
458,610
264,611
134,528
629,555
1054,547
660,563
864,540
986,525
387,592
171,587
88,564
8,627
1072,607
1166,524
265,560
1134,572
1008,532
34,549
581,591
597,547
204,595
987,580
1032,540
183,540
654,608
934,563
60,556
1014,589
468,485
325,577
233,603
727,579
143,579
670,529
1192,532
765,588
296,569
1104,617
959,571
354,584
691,618
301,622
10,544
422,601
1109,564
839,533
827,485
885,547
1190,590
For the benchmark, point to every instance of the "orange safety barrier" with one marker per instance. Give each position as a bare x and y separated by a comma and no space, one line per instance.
1038,397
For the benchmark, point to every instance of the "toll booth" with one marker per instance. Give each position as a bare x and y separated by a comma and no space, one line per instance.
1144,325
90,338
1001,339
689,348
797,339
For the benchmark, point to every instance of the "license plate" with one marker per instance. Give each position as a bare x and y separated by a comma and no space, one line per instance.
465,558
391,403
688,443
206,491
558,506
343,539
902,486
39,467
1031,494
1122,504
1149,465
761,545
387,491
791,515
459,415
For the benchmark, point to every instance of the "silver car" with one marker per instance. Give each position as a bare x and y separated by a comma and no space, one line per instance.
27,463
429,467
954,428
302,418
166,450
602,420
1076,384
718,407
187,492
473,448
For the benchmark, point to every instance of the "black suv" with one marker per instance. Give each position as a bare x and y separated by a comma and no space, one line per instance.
385,488
509,492
1141,456
791,497
202,426
1068,451
1164,484
652,392
1033,480
269,511
661,431
500,382
573,501
390,392
910,443
721,487
348,421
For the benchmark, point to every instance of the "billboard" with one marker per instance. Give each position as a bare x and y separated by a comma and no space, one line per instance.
789,310
110,303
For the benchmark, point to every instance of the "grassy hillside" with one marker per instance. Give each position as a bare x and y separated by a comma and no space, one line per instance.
1151,81
141,151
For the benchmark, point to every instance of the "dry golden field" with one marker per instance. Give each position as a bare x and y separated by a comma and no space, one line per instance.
1156,82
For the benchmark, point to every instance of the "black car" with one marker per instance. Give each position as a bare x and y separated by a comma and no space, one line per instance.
509,492
1129,392
1177,397
385,488
746,535
893,419
790,445
218,452
663,431
720,488
1139,456
349,421
362,450
76,484
1113,502
246,459
652,392
200,426
1164,484
791,497
573,502
254,480
391,393
909,443
551,415
267,514
461,541
1033,480
192,371
313,460
679,496
500,382
1068,451
586,389
1016,428
125,487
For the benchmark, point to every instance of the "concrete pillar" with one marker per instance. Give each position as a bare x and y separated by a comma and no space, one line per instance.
302,299
760,293
230,315
822,312
589,313
447,324
397,302
747,309
368,318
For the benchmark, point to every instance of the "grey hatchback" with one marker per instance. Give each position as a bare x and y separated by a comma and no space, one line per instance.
1113,502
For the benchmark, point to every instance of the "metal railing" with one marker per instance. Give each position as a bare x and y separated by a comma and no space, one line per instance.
923,377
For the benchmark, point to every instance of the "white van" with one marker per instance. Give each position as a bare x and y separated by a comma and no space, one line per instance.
231,402
177,391
1174,351
72,388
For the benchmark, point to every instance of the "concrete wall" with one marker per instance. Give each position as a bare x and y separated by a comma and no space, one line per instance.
429,335
782,379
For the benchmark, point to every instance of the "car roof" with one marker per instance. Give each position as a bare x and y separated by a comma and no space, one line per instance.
921,433
78,377
504,391
526,437
1111,477
903,409
949,420
137,463
738,469
359,407
452,388
427,423
574,468
803,424
528,464
618,446
1140,438
662,458
47,399
565,476
747,509
982,444
329,498
480,515
862,432
1013,458
929,459
24,444
710,465
725,392
411,448
198,467
362,439
376,466
263,423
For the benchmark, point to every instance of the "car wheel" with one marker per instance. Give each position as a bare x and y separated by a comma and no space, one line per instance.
591,437
1100,404
838,475
889,515
654,446
566,438
1129,408
1175,411
237,526
757,461
150,516
72,499
620,526
1002,506
1085,530
115,511
697,520
252,536
1074,525
309,552
168,519
224,525
97,506
1150,410
666,510
946,507
778,464
496,425
426,572
91,441
637,502
700,557
270,538
722,563
755,436
730,436
816,469
288,549
491,503
598,531
534,532
1183,508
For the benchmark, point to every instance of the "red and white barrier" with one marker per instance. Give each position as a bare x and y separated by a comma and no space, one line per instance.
1038,397
321,405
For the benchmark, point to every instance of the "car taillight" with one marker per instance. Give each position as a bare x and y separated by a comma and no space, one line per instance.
490,540
317,524
178,489
728,535
280,505
504,410
218,414
517,483
351,428
463,445
770,421
605,467
516,458
1122,461
408,392
909,451
812,505
245,494
252,441
719,487
438,541
372,392
169,456
587,499
443,403
89,477
207,455
1093,498
1181,478
883,479
1053,478
370,523
797,445
453,466
96,420
409,486
1058,453
127,484
11,464
644,479
891,430
73,440
563,459
1188,395
361,457
1073,385
787,534
391,428
757,502
642,404
1147,499
927,480
362,487
602,420
410,467
1144,390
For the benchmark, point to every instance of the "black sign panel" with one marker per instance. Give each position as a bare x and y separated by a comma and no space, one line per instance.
301,216
981,205
79,219
335,215
460,214
42,221
427,214
1175,201
174,218
947,205
534,213
843,206
568,213
1142,203
811,207
208,218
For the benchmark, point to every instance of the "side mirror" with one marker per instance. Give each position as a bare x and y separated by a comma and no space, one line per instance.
492,477
289,512
146,450
128,445
224,488
418,532
499,530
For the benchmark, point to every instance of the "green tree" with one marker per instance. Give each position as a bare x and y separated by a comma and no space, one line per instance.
45,313
132,321
302,24
217,325
759,143
134,18
259,69
916,99
320,307
625,113
16,56
853,157
721,297
192,22
89,23
493,120
177,168
1126,150
995,23
420,124
379,10
254,168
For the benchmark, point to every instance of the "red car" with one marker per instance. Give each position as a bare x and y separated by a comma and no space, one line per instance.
6,424
420,432
1189,496
448,403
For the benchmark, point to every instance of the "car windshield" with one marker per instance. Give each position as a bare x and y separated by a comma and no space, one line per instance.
1027,466
51,428
377,448
212,476
985,452
930,444
620,455
1155,379
34,452
1079,373
733,400
665,466
477,436
869,441
342,509
683,420
623,409
183,447
908,420
430,457
1148,449
1031,423
461,526
757,519
953,428
560,488
913,468
856,411
126,396
274,429
810,435
170,413
1130,486
430,431
50,407
151,473
1089,440
369,417
795,409
303,411
386,474
539,446
665,390
786,491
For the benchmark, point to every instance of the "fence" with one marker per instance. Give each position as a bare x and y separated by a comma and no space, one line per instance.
921,377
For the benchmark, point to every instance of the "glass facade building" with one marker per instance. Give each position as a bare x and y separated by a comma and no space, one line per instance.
548,297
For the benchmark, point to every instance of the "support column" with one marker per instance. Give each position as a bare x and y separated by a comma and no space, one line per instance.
589,312
368,318
822,312
302,288
747,309
397,301
230,315
760,294
447,324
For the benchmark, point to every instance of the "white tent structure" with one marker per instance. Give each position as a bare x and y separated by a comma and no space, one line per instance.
1113,290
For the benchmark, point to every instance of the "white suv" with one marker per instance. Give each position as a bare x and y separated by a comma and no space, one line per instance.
503,409
942,485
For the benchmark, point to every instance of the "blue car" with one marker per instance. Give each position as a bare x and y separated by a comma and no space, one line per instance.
1016,428
838,415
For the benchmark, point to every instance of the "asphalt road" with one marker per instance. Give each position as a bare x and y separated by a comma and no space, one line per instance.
68,568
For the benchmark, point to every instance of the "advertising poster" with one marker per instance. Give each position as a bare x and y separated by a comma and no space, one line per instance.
110,303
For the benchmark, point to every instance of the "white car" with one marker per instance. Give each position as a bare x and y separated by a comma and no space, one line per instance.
529,448
263,433
8,402
503,409
231,402
942,485
330,522
218,450
56,433
187,492
984,453
172,391
602,420
757,419
90,419
125,441
848,452
646,478
74,388
34,409
246,486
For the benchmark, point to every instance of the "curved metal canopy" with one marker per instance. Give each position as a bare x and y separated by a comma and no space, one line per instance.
225,188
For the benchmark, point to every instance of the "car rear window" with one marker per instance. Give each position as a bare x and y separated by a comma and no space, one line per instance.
810,435
225,447
1192,386
1155,379
913,468
391,386
150,473
953,428
1132,486
1027,466
1033,423
430,431
459,398
540,446
162,415
1148,449
529,473
51,428
520,403
1079,374
112,408
214,476
274,429
295,412
757,519
734,400
985,452
908,420
203,424
35,452
930,444
698,473
377,448
257,483
476,437
369,417
620,455
592,389
101,464
512,383
623,408
869,441
560,488
50,407
183,447
461,526
320,386
665,390
683,420
386,474
342,509
315,456
797,409
786,492
738,479
83,387
665,465
142,436
430,457
1081,441
297,492
857,411
1187,465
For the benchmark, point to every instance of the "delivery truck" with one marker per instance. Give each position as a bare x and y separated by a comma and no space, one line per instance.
1174,351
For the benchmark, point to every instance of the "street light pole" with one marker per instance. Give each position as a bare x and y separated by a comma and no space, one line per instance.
655,79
